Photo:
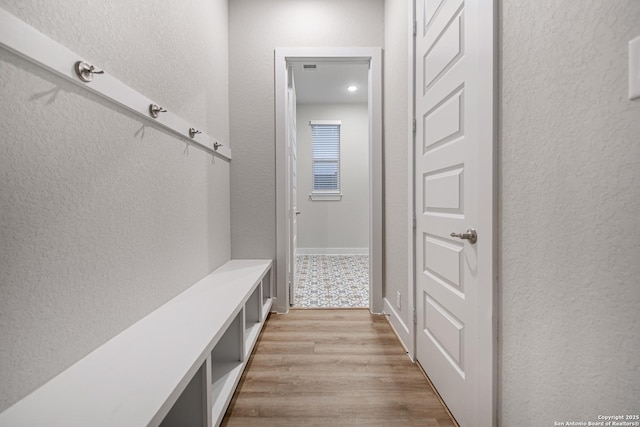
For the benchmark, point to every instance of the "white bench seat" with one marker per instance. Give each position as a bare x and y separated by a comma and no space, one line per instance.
154,372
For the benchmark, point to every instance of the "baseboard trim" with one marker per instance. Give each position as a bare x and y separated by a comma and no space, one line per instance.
332,251
398,326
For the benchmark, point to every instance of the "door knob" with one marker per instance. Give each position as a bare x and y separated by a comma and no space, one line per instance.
470,235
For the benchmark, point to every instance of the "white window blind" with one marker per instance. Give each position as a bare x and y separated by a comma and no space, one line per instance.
325,137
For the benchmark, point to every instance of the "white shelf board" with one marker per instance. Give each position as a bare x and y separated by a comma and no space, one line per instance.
220,370
250,338
231,371
222,392
116,386
266,308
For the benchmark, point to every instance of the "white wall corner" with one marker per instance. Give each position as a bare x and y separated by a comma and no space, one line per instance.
399,327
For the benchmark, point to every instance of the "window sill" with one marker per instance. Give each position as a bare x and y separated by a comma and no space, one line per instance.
325,196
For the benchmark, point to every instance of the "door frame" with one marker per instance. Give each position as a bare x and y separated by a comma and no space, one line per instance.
411,220
488,158
292,170
372,55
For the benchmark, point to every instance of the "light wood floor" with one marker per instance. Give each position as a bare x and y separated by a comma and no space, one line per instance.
332,368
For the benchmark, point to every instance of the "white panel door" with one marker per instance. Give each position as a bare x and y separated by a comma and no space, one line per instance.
293,195
454,116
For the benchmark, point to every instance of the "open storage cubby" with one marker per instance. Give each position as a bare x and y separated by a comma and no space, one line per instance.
190,409
266,294
252,326
226,366
176,367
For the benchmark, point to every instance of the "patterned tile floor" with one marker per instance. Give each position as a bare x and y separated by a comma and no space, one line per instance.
334,281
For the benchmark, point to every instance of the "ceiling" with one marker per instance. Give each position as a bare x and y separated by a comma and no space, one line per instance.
328,82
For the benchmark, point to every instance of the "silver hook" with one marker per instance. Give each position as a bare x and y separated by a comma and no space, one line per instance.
217,145
193,132
155,110
85,71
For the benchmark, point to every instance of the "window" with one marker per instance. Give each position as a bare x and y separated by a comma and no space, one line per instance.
325,141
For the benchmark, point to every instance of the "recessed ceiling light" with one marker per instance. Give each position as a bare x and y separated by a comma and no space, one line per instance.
352,88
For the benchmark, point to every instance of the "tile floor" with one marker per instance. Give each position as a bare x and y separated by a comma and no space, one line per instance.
332,281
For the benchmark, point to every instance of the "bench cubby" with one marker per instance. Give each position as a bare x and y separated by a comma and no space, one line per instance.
253,320
178,366
266,294
227,359
190,410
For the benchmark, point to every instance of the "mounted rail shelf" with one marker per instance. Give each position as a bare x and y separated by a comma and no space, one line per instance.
27,42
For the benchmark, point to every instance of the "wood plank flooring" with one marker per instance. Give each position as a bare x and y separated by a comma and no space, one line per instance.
332,368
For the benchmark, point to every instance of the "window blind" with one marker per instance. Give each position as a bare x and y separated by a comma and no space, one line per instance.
326,157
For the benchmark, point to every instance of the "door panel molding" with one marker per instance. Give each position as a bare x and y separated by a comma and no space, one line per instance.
446,330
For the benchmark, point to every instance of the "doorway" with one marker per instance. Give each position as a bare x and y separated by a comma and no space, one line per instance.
286,216
329,170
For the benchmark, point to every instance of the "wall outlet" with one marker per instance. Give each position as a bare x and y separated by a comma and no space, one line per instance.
398,300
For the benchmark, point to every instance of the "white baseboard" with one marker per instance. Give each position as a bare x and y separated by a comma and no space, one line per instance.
332,251
399,327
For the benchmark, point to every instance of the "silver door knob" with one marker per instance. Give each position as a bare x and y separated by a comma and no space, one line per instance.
470,235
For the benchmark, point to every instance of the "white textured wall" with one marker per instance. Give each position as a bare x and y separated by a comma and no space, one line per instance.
396,89
570,198
344,223
256,28
102,217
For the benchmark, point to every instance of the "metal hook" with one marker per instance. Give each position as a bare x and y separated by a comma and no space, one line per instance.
193,132
155,110
217,145
85,71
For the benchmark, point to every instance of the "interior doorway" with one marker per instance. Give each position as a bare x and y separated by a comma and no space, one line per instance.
287,155
329,183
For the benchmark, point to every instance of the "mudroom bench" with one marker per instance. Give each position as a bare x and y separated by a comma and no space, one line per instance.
178,366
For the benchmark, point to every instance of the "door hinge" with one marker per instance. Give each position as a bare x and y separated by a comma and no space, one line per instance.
414,125
415,317
415,28
414,221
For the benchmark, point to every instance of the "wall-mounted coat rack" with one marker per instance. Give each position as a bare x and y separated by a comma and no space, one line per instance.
27,42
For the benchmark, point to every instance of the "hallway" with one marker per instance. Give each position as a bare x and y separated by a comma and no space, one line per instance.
332,368
123,190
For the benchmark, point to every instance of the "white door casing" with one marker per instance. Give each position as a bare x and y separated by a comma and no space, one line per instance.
370,55
454,191
292,152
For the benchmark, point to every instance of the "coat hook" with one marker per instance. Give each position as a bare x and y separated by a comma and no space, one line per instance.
217,145
193,132
155,110
85,71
